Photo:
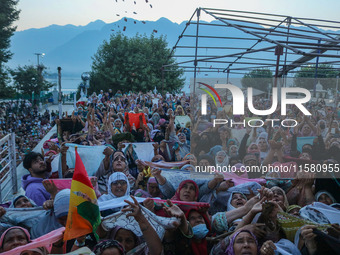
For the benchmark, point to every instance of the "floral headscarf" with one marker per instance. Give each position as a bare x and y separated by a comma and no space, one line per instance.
103,245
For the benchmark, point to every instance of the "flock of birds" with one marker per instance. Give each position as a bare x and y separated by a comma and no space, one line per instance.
135,22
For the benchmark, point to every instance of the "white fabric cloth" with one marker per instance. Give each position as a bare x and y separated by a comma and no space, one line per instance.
286,247
182,120
144,151
91,156
116,202
320,213
160,224
26,216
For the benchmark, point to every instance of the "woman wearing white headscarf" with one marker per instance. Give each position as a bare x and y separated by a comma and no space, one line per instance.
118,126
221,159
118,186
226,221
262,143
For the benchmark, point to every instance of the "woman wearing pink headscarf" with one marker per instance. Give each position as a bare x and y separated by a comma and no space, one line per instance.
14,237
152,190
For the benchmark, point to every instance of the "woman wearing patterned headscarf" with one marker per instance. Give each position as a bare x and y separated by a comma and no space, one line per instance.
107,247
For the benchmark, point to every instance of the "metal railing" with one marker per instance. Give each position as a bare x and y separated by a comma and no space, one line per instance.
8,173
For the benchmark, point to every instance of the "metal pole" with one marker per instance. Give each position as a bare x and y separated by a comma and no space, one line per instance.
278,53
86,89
289,20
336,93
198,11
60,99
75,101
14,164
316,70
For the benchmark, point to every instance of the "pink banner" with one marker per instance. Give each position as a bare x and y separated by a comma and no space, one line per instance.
239,180
66,183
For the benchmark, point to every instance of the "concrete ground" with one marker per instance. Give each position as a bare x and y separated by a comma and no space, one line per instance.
54,107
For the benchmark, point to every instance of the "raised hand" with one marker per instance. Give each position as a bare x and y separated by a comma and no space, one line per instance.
133,208
156,172
307,233
268,248
155,146
149,204
258,206
48,204
108,151
50,187
173,210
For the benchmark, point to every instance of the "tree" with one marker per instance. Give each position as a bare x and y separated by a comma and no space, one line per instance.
28,79
134,64
8,14
258,79
6,91
305,77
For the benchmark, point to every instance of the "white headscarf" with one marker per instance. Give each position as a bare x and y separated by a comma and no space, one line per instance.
122,126
225,161
231,207
264,136
116,176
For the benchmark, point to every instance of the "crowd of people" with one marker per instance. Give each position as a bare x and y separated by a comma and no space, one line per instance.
169,207
30,126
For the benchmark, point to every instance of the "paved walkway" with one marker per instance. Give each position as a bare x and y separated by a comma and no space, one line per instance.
54,107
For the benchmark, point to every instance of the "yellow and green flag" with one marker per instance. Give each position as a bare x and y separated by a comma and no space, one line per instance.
83,215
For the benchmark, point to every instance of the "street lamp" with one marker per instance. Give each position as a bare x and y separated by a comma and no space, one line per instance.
38,55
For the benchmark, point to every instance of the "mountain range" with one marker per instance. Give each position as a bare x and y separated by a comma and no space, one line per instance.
72,47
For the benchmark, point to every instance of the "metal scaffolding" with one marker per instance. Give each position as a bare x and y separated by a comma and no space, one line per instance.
236,42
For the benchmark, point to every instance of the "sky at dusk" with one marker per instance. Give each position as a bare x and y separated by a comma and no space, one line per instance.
42,13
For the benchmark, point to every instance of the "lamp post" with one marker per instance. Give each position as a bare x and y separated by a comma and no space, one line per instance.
269,90
39,68
38,55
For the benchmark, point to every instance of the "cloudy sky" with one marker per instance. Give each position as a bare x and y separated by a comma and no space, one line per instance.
42,13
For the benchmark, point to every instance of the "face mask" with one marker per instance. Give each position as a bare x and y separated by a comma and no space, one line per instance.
200,231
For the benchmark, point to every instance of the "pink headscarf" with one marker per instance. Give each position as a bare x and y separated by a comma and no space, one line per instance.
151,180
161,122
9,229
